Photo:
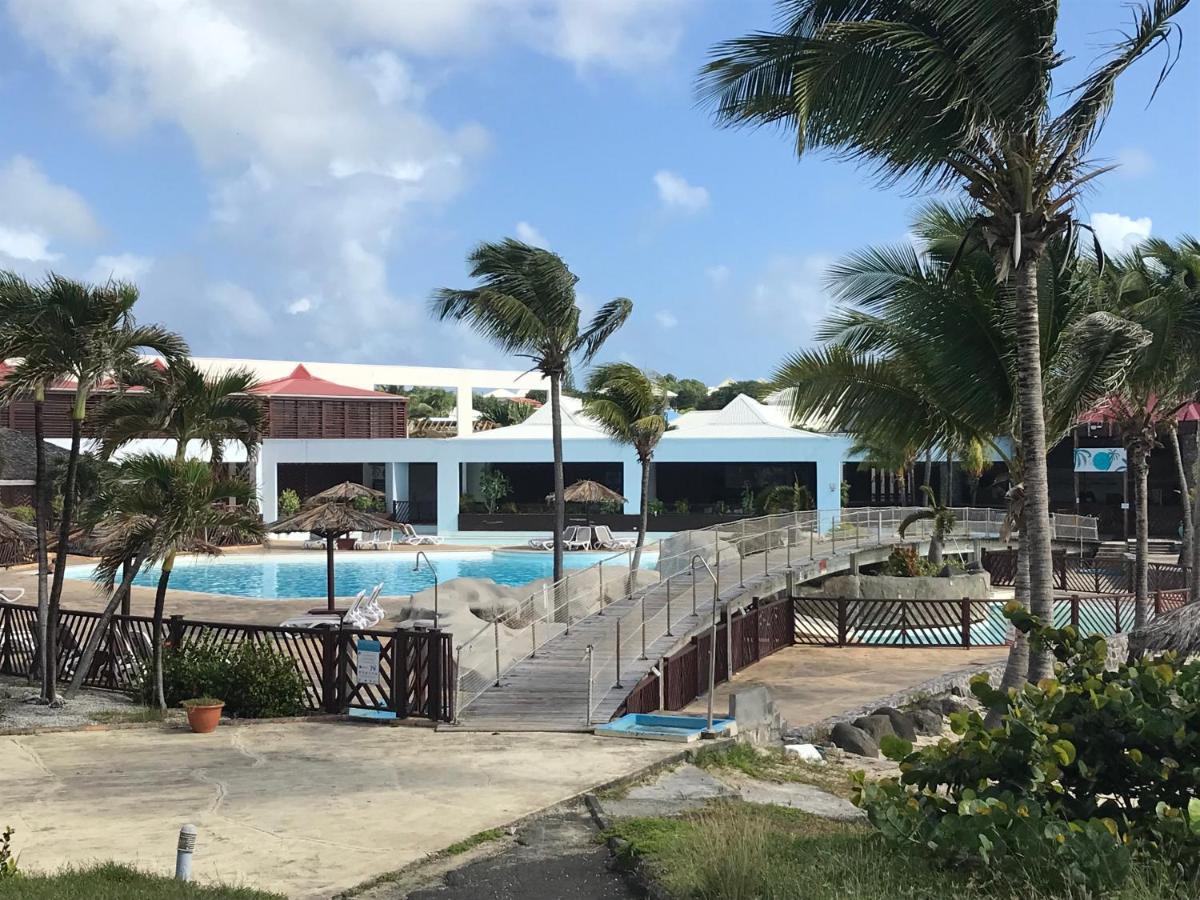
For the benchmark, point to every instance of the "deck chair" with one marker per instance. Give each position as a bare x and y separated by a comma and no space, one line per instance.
378,540
606,541
316,618
579,539
314,542
416,540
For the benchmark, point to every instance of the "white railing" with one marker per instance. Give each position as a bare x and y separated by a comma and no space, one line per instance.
522,629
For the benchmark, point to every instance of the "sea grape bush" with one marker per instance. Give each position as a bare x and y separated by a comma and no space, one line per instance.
1086,771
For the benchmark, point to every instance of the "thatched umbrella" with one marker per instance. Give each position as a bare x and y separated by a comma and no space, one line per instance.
331,519
589,492
1177,630
13,530
346,492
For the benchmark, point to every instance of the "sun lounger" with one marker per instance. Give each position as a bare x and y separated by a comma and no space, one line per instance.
314,542
417,540
575,537
606,541
325,618
378,540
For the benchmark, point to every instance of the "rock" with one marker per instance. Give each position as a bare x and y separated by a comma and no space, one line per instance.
877,727
902,725
804,753
946,572
927,722
676,552
854,740
951,705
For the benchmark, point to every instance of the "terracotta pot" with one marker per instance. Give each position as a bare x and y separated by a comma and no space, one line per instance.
204,719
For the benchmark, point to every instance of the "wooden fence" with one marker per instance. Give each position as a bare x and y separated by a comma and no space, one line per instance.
416,668
758,631
1094,575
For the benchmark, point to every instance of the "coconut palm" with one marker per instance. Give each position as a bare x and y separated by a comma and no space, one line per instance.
921,353
86,333
943,520
943,93
180,402
161,507
631,406
525,305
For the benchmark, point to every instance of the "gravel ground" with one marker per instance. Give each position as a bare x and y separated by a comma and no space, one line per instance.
18,716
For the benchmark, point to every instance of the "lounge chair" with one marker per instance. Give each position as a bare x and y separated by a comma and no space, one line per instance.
314,542
575,537
323,618
416,540
378,540
606,541
11,594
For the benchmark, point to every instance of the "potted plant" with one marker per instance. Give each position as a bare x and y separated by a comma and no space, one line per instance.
203,713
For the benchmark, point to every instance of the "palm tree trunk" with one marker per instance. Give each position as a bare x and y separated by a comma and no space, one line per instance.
160,599
41,505
1185,500
928,476
84,663
1139,461
1018,655
560,504
1194,574
60,557
645,511
1035,529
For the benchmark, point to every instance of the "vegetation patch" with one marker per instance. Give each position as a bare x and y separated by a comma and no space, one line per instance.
254,680
482,837
774,766
110,881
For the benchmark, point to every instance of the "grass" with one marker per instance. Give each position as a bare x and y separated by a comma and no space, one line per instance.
132,715
773,765
482,837
740,851
110,881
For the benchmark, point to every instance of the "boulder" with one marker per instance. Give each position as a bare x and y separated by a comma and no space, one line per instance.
853,740
951,705
676,552
902,725
878,727
926,721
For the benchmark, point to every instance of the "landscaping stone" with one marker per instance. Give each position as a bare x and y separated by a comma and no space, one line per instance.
854,740
927,722
686,788
804,753
877,727
804,797
902,725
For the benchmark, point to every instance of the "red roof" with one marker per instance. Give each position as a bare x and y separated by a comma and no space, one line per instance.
1114,409
302,383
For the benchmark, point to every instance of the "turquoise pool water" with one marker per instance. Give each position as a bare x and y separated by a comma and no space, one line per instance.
289,575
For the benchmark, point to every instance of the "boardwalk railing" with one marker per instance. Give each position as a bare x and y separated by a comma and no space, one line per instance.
1099,575
518,632
416,668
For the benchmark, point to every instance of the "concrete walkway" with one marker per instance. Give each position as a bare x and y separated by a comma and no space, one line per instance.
307,809
812,683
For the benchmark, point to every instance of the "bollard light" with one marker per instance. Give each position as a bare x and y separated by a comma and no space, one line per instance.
183,853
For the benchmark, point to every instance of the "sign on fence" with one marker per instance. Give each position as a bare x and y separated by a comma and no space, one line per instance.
368,661
1099,459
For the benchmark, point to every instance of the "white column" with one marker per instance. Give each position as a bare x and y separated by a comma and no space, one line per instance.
631,475
829,488
267,484
465,408
447,496
396,481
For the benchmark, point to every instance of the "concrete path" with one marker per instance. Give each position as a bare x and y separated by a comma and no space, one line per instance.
307,809
812,683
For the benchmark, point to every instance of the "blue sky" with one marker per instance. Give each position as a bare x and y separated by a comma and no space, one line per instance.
292,179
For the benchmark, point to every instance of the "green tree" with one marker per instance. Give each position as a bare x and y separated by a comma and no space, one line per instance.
493,487
525,304
160,507
424,402
180,402
943,523
86,333
719,398
948,93
689,392
631,407
501,411
921,352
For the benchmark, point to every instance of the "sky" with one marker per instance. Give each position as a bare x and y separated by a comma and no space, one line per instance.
292,180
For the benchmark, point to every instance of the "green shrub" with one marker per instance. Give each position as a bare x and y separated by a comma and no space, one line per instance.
289,503
8,862
22,513
1086,771
254,681
905,562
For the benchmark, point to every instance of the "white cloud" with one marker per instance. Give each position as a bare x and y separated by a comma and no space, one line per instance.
790,293
1134,162
238,308
666,319
530,235
34,212
675,192
1119,234
718,275
300,306
120,267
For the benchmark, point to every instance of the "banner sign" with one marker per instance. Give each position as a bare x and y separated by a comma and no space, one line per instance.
368,661
1099,459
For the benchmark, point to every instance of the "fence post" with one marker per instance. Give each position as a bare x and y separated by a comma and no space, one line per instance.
1158,603
457,680
811,537
343,669
879,532
966,622
643,656
662,682
728,642
587,718
6,640
433,656
400,673
669,610
1117,610
842,628
600,569
533,639
329,669
742,563
496,642
618,655
1075,611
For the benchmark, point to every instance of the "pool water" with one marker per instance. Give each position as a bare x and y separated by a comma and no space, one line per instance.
292,575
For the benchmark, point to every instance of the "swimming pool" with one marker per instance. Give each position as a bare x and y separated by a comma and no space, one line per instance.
301,574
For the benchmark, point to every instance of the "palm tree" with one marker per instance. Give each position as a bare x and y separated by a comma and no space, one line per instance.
180,402
943,523
943,93
86,333
922,354
631,406
160,507
526,305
